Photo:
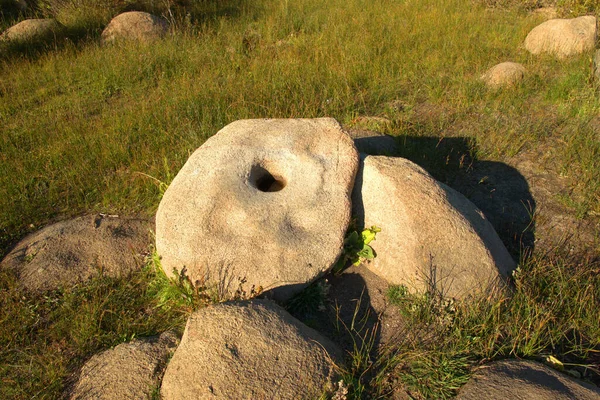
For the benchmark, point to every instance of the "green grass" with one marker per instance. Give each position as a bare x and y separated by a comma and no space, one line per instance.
87,128
45,337
80,125
551,312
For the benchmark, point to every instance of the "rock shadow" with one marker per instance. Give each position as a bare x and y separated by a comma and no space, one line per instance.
497,189
355,313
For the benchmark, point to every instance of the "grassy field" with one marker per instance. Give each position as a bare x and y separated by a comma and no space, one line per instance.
87,128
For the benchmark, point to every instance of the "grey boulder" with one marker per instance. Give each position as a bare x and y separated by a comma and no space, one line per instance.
135,26
432,237
72,251
524,380
249,350
129,371
563,38
263,205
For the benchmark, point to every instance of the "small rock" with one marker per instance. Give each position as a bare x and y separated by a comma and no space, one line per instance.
431,236
563,38
135,26
128,371
504,75
32,31
518,379
263,203
72,251
250,350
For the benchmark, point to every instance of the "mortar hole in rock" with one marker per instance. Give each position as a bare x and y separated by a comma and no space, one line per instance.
266,181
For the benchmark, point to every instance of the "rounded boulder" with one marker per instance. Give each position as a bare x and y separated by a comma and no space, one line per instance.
432,237
32,31
72,251
263,205
520,379
563,38
135,26
505,74
249,350
128,371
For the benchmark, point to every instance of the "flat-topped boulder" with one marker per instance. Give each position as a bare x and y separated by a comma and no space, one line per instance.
32,31
135,26
128,371
250,350
523,380
563,38
505,74
431,236
72,251
263,203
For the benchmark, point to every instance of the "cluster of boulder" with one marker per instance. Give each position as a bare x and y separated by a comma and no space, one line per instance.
560,38
133,26
263,208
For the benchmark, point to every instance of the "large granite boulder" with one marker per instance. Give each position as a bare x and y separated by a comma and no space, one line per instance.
431,236
128,371
249,350
563,38
72,251
524,380
263,204
135,26
32,31
505,74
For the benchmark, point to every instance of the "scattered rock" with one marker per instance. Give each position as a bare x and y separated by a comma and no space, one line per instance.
129,371
504,75
563,37
266,202
249,350
135,26
374,143
431,236
32,31
72,251
517,379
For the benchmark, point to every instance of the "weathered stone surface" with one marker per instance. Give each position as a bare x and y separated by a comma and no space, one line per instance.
72,251
249,350
128,371
135,26
504,75
524,380
430,235
267,201
32,31
563,37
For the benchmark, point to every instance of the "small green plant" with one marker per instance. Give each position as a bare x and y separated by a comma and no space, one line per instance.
357,248
178,292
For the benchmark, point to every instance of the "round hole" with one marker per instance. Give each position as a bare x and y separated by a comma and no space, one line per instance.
264,180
